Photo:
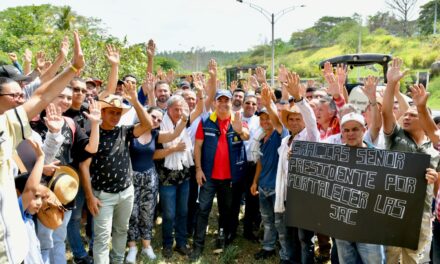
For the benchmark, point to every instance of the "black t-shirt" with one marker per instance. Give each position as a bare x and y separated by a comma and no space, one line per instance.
72,150
110,169
79,117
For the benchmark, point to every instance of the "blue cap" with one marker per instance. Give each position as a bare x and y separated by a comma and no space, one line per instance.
221,93
185,84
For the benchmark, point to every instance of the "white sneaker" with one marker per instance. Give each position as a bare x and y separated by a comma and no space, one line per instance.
131,256
149,252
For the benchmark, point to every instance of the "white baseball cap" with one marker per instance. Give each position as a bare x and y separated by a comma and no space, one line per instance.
353,117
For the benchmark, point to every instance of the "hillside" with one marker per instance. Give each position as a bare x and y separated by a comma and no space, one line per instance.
418,54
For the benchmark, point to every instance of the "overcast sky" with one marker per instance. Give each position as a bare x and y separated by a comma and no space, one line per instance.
211,24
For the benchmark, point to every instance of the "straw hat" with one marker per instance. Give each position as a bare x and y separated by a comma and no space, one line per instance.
51,213
114,101
65,184
285,113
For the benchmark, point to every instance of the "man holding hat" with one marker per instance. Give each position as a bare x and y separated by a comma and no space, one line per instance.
220,157
301,123
107,177
14,127
77,146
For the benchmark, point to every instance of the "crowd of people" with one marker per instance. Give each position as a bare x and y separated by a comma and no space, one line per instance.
124,151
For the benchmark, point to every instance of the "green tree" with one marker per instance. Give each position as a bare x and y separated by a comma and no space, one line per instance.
425,21
385,21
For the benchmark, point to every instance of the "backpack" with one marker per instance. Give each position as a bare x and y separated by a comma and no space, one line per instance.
71,125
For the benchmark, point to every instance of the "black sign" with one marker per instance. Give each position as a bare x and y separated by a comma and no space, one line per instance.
357,194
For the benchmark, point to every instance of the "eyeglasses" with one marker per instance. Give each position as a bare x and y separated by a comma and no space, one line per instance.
79,90
250,103
15,96
156,118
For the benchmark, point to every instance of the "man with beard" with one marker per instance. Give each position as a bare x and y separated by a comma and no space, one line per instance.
237,99
162,93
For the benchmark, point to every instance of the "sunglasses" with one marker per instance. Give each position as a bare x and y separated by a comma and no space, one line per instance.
79,90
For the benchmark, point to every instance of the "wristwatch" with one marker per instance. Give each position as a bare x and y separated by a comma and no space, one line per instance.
299,100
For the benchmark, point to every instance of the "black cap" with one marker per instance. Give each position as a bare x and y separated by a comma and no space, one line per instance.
10,71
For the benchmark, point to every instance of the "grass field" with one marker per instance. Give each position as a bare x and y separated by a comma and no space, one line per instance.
240,252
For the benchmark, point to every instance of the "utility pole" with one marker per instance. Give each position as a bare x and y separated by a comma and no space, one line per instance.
273,18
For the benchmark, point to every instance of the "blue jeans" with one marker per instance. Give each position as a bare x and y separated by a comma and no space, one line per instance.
285,238
354,253
174,202
74,227
52,242
267,203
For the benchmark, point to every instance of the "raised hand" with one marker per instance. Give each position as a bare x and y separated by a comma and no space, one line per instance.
54,120
237,124
47,65
328,68
112,54
245,86
149,82
129,92
170,76
419,95
341,73
293,85
41,59
261,75
198,83
160,74
64,47
266,95
212,68
334,87
151,48
37,149
394,73
78,57
233,86
94,115
282,74
253,82
370,88
27,55
12,57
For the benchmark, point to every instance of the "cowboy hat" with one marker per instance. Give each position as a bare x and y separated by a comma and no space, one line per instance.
65,184
285,113
113,101
51,213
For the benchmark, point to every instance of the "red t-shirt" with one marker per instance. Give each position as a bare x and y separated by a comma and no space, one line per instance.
222,167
